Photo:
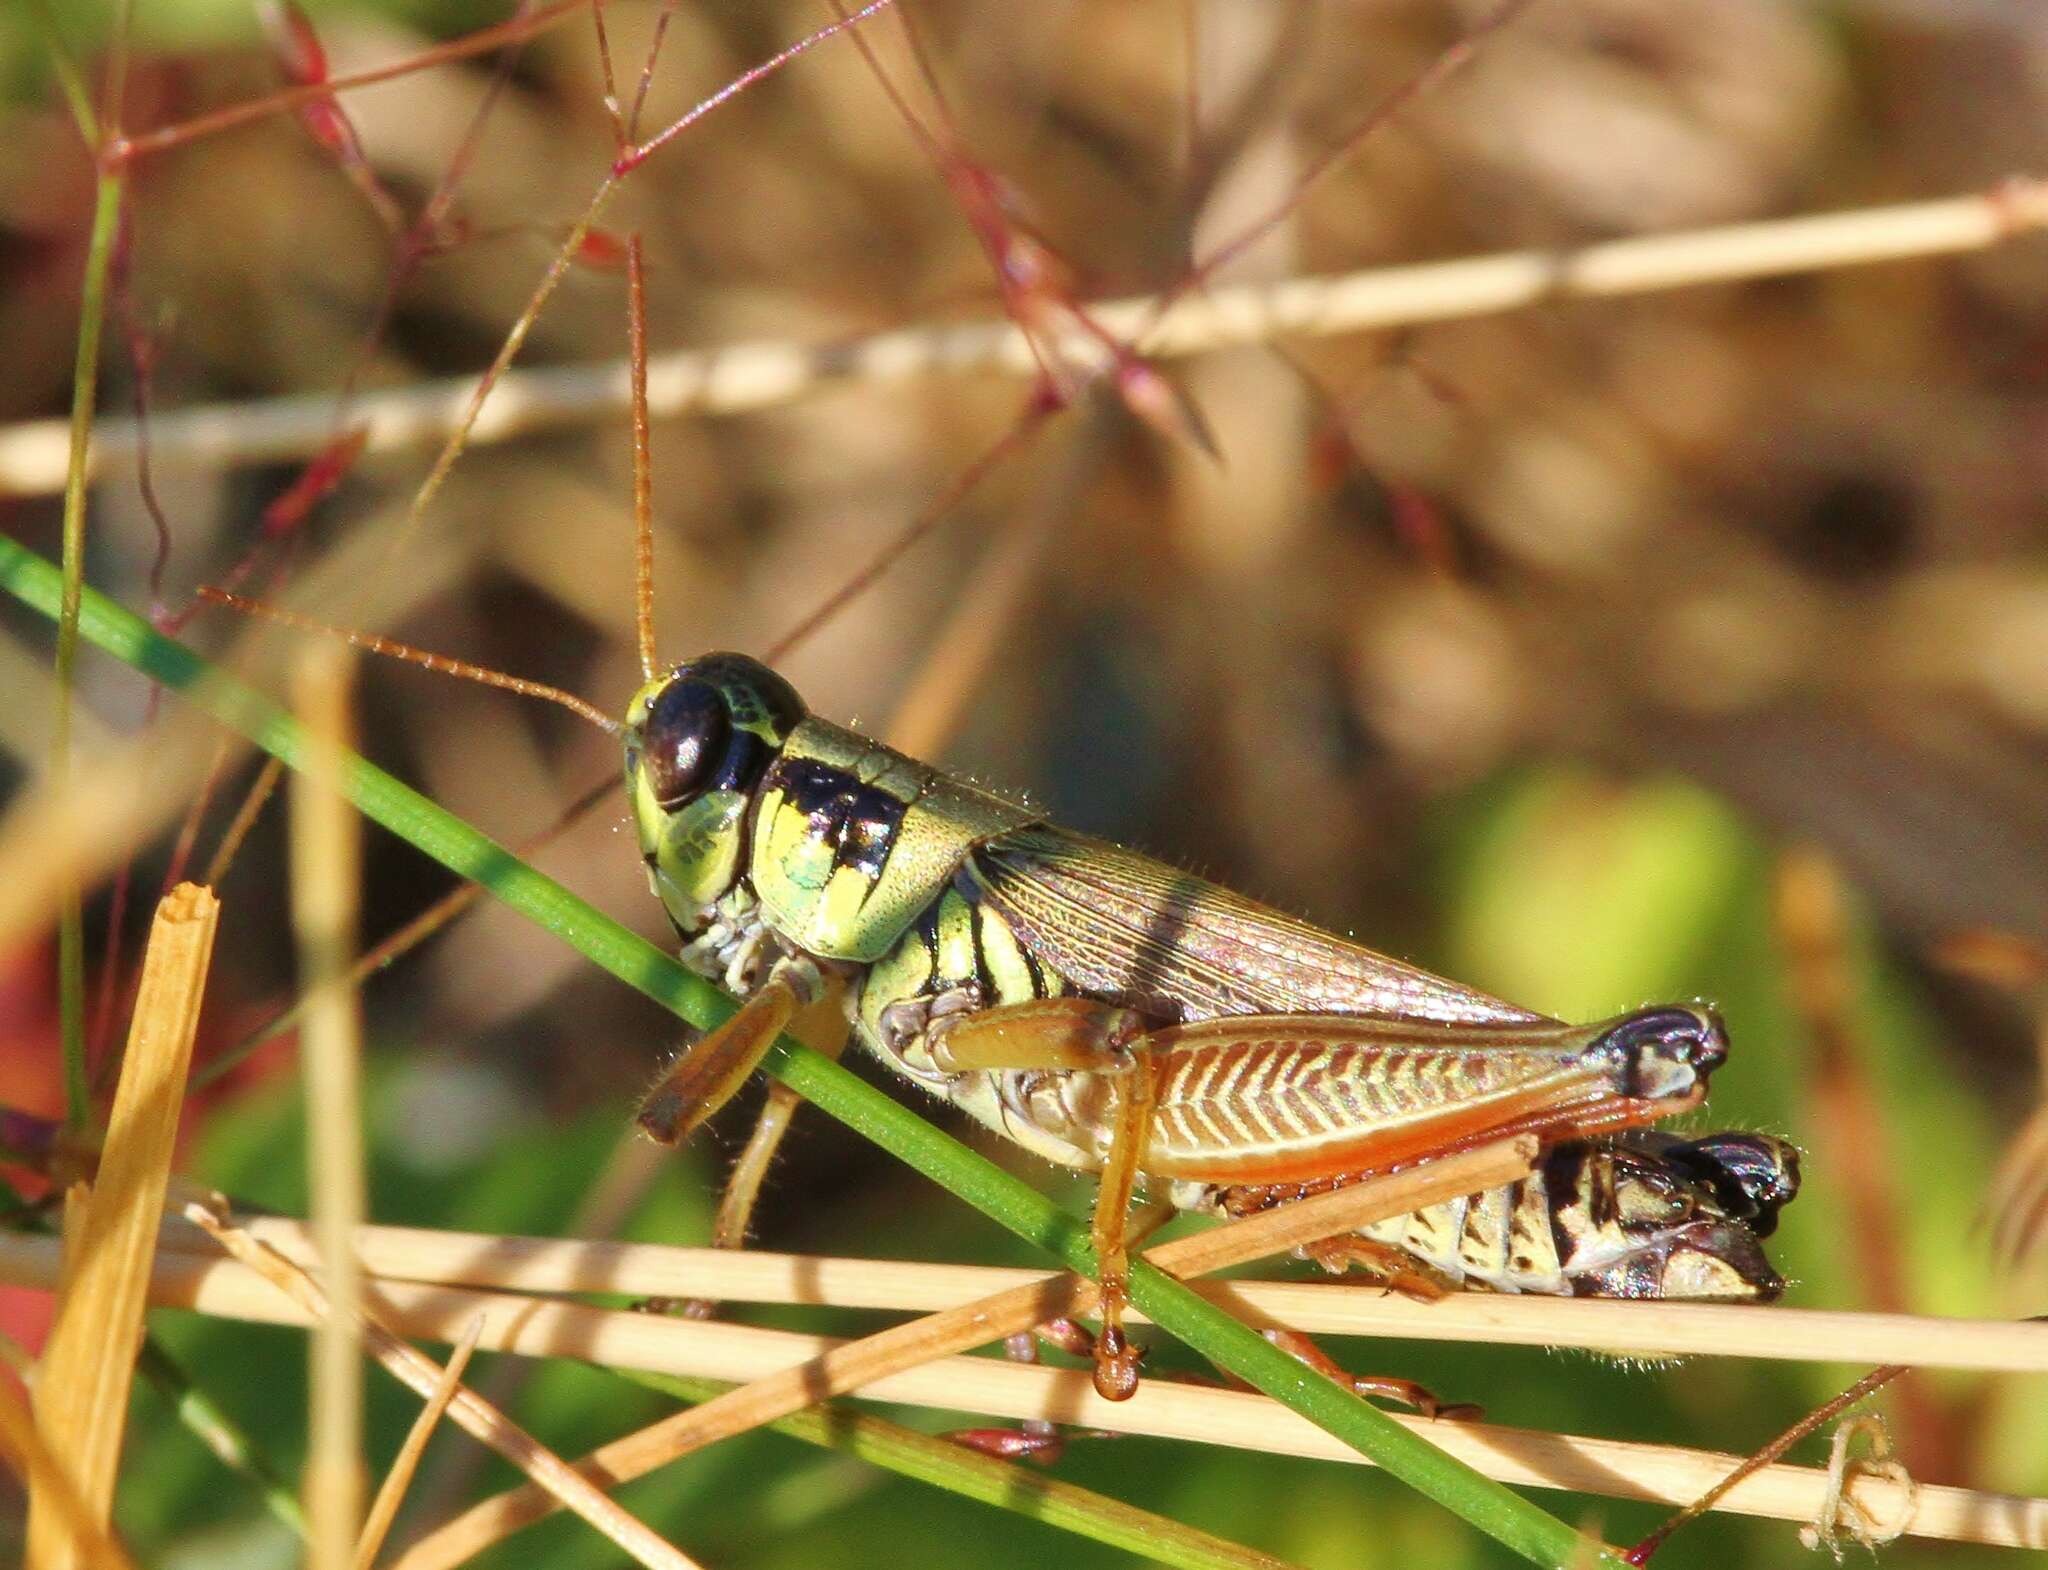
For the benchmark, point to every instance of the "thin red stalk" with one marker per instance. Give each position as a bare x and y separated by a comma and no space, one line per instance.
1019,432
1027,268
620,139
295,45
929,144
517,30
117,998
974,191
418,242
407,937
1826,1412
142,365
141,346
661,21
174,874
114,999
280,528
635,156
1422,81
188,831
907,20
237,831
971,188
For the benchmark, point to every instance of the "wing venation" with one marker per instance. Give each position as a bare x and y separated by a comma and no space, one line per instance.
1179,947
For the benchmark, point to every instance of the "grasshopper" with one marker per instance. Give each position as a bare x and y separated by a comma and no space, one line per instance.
1102,1009
1113,1014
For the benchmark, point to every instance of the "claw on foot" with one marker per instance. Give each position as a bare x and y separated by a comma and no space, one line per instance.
1116,1365
1042,1445
1069,1335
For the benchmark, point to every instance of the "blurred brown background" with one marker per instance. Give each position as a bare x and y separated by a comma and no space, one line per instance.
1523,645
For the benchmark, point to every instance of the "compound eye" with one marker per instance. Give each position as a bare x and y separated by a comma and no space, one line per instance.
684,741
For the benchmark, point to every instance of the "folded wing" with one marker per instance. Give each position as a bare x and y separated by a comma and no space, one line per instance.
1178,947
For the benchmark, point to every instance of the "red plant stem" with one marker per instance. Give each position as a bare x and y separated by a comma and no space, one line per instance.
1442,66
1020,431
517,30
1827,1411
634,157
661,21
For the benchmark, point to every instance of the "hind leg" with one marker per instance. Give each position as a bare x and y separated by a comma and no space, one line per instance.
1406,1391
1395,1268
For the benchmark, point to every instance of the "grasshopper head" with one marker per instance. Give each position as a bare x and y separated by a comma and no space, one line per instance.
698,741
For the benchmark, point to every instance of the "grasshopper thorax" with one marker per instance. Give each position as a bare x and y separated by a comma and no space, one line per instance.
698,741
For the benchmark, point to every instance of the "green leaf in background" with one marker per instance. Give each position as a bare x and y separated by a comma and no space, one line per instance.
1583,896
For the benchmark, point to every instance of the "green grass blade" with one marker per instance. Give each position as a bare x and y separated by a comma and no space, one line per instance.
215,1428
109,190
70,80
1004,1484
1207,1329
106,220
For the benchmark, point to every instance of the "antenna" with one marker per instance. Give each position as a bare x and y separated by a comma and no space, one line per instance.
412,656
643,457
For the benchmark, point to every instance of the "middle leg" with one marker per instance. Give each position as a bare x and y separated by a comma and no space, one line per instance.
1081,1035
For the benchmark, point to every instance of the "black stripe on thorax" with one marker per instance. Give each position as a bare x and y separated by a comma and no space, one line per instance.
859,820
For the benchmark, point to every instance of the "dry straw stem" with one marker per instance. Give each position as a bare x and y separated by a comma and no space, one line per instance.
756,375
530,1264
326,872
82,1383
287,1295
552,1328
384,1509
46,1479
859,1364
